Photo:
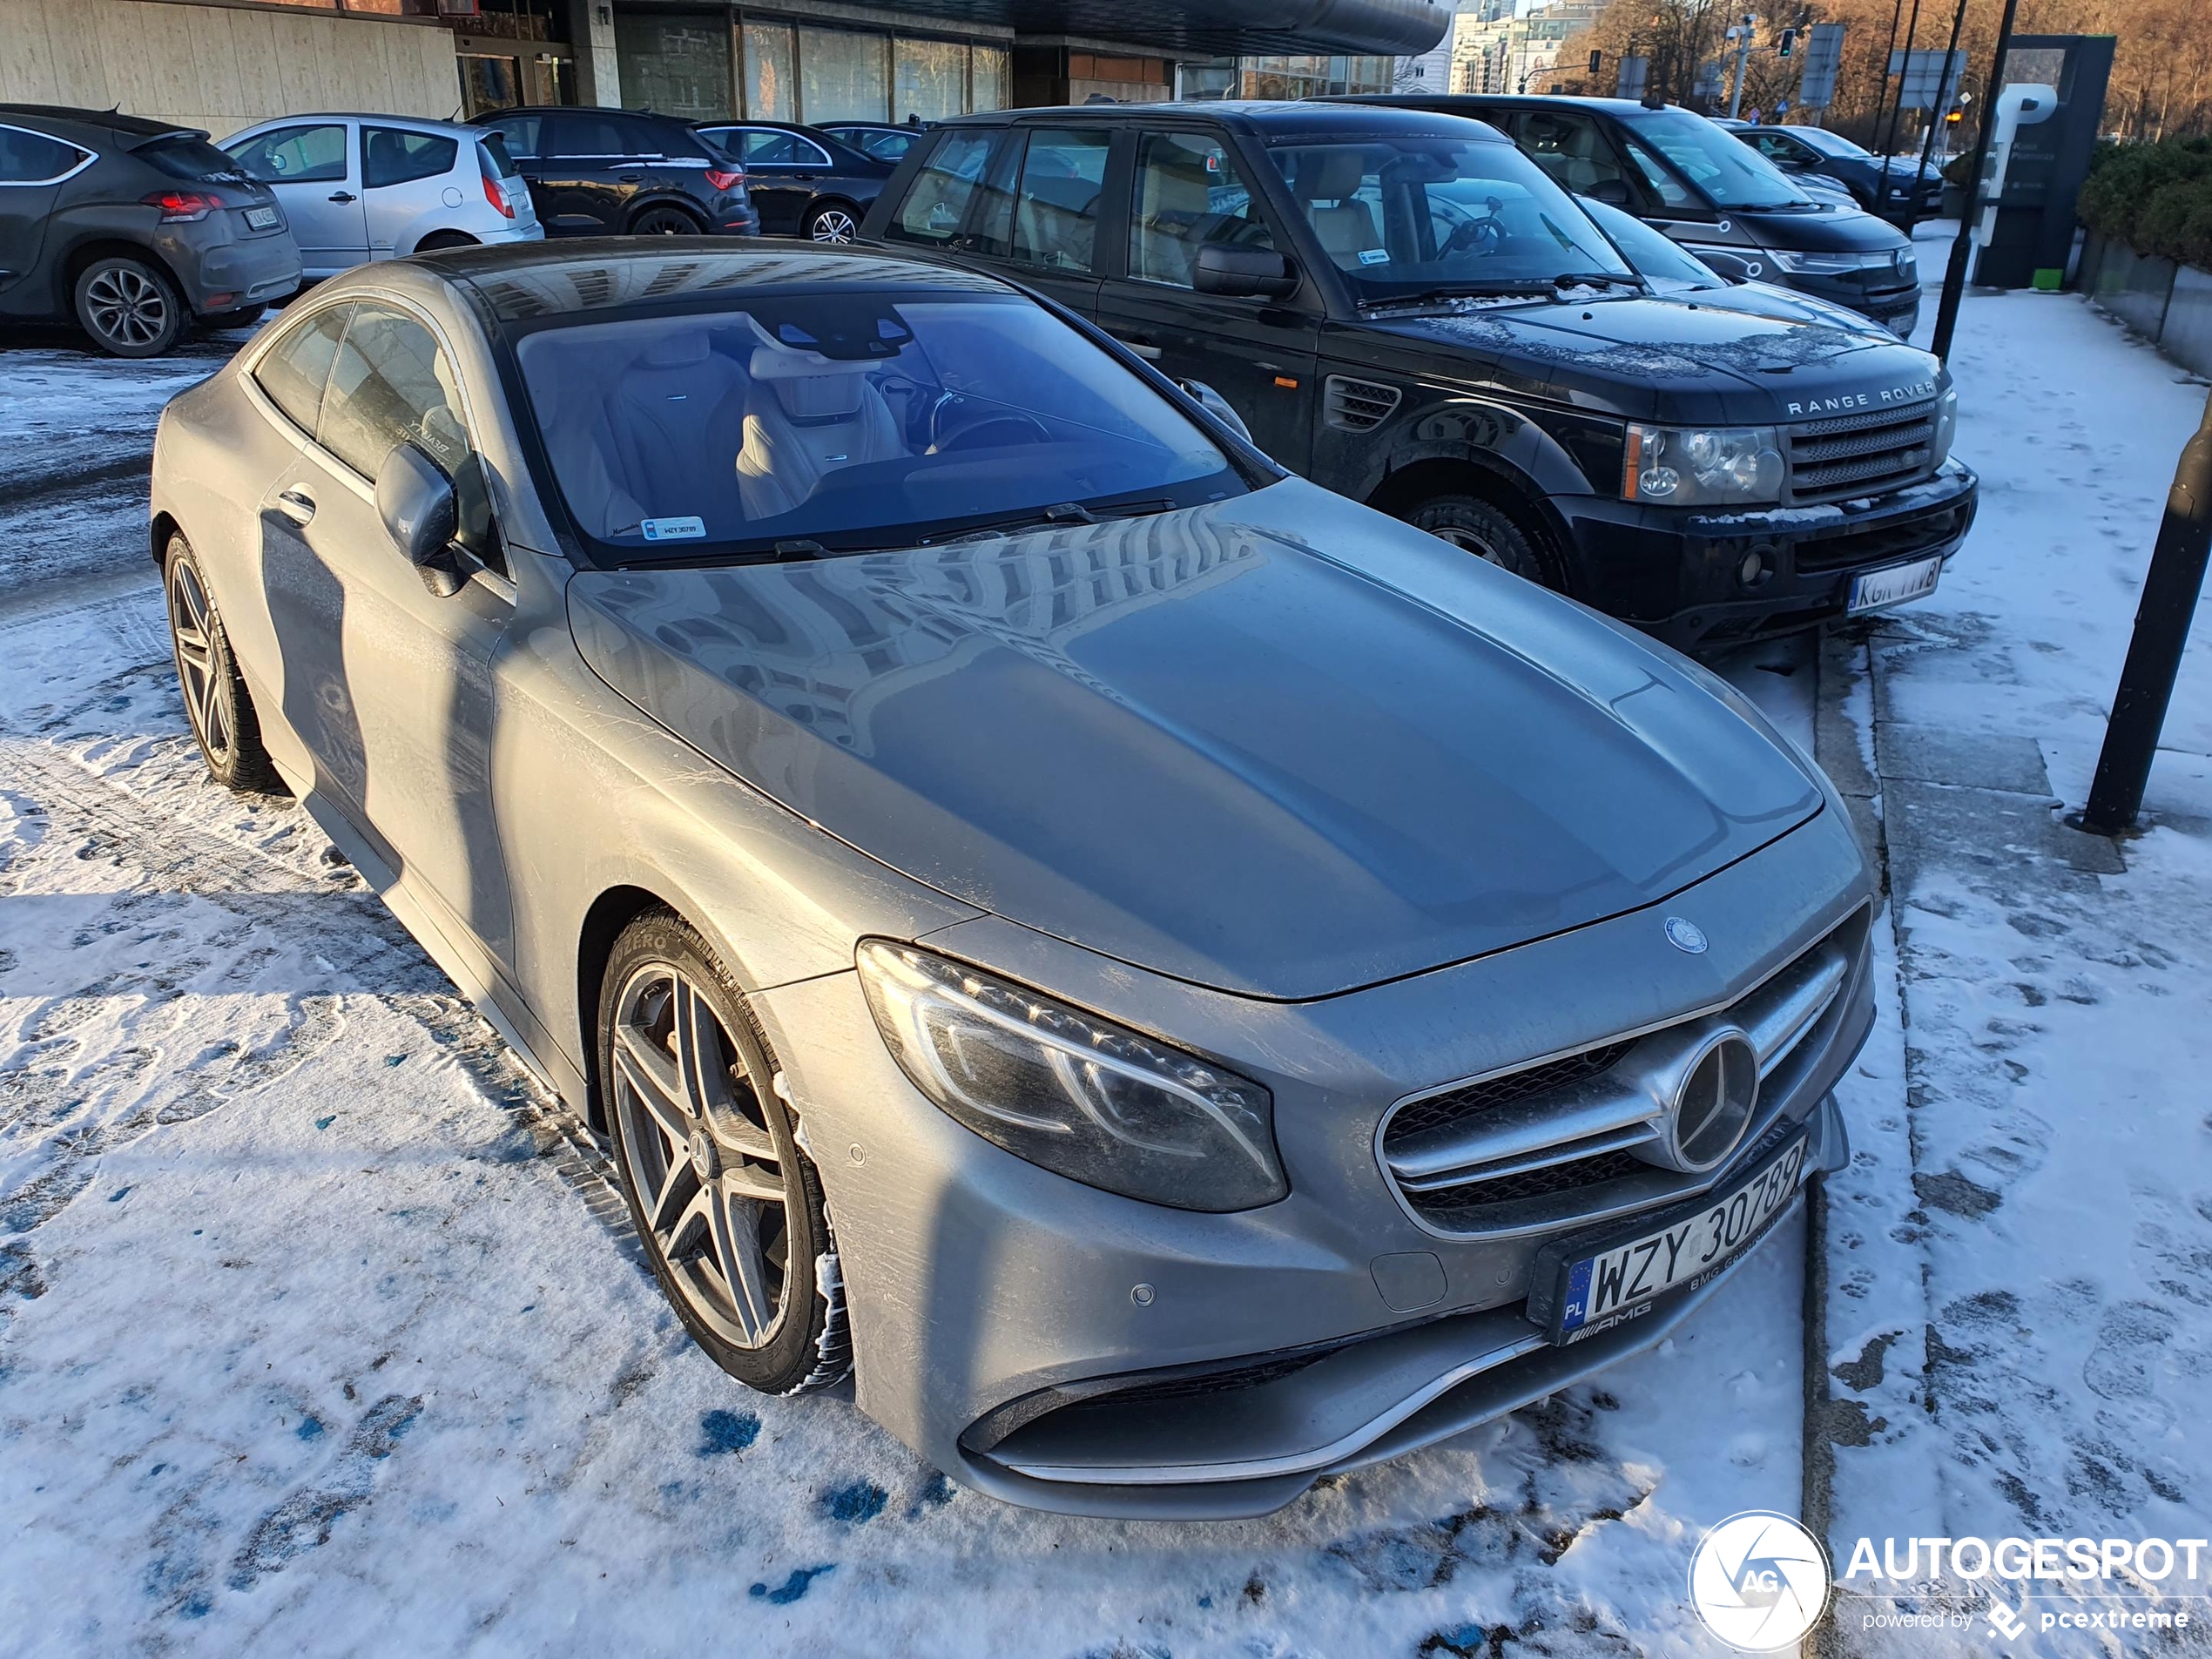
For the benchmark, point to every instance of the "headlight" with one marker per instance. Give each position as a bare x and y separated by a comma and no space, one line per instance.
1946,426
1070,1092
1842,264
1701,466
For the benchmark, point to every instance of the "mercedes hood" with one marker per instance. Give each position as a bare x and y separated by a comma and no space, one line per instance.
1281,745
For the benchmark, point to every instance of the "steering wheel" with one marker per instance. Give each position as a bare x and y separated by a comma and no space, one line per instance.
1487,235
957,424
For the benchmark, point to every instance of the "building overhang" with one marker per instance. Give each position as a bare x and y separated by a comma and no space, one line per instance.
1198,28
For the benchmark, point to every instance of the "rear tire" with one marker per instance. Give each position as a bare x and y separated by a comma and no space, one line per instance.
129,306
665,221
1488,532
217,702
240,317
437,240
727,1203
832,222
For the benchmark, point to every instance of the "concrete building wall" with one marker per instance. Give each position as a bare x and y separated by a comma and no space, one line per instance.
221,67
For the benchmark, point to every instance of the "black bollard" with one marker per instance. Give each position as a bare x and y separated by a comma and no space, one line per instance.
2170,590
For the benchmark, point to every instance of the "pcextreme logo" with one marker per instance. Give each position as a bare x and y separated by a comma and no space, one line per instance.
1759,1581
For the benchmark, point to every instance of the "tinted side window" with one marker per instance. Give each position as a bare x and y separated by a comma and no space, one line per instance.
391,157
1571,148
293,371
294,156
937,201
769,148
1190,192
585,135
391,385
182,156
521,133
1055,208
32,158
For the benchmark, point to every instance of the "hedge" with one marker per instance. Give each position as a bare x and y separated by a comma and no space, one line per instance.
2155,198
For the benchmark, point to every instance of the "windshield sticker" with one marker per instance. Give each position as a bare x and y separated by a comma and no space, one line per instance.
674,529
1374,256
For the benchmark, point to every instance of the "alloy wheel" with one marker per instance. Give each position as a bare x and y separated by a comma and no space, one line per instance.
1475,542
665,221
700,1158
126,305
201,668
834,224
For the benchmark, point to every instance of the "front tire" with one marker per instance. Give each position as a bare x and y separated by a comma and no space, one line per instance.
1489,533
129,306
729,1206
216,700
665,221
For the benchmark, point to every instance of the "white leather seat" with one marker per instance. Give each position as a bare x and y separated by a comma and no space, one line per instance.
806,416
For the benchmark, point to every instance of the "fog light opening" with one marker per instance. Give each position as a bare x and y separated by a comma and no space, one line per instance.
1757,567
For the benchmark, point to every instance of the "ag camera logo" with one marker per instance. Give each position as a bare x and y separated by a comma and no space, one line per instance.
1759,1581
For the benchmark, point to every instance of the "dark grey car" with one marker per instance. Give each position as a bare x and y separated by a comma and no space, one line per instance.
134,228
1182,983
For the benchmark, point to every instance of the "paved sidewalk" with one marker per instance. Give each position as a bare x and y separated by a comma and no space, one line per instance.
2019,1318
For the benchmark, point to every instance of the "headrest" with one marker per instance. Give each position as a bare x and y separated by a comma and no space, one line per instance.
683,349
1330,175
773,362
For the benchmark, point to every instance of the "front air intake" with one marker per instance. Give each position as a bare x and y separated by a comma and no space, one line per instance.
1357,406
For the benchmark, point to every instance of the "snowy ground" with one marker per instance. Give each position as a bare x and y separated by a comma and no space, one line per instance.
244,1121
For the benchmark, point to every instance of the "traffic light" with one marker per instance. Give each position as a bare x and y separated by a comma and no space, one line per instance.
1596,57
1789,41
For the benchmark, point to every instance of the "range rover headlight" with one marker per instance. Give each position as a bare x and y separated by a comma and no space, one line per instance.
1701,466
1947,423
1070,1092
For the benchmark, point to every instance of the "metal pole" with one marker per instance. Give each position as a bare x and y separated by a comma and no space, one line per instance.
1954,274
1743,53
1888,52
1935,119
2170,590
1897,109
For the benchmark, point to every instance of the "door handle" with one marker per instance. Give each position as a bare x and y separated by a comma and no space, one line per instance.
343,196
629,179
1143,348
296,504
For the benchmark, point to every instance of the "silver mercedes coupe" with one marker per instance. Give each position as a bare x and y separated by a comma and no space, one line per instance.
1178,984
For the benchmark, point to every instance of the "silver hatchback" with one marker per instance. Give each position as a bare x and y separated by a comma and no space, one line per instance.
363,187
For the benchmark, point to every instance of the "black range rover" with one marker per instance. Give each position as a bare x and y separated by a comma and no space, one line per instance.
1403,307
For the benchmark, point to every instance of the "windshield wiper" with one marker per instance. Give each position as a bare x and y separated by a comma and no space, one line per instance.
1065,512
1550,288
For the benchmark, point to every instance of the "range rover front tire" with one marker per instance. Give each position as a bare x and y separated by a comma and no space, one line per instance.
1488,532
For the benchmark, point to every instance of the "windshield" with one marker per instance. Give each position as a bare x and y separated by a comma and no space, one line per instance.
1728,171
849,421
1417,216
1659,259
1829,143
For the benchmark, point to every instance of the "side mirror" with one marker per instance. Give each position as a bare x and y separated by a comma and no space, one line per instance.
420,513
1244,273
1611,191
1729,267
1219,407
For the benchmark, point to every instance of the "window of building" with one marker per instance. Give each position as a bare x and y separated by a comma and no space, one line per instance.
679,65
929,78
770,85
843,75
987,78
1190,192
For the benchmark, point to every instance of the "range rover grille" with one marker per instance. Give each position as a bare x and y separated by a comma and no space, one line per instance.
1357,406
1860,454
1583,1137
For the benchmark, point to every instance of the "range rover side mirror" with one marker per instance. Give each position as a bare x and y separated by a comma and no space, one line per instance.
1219,407
1244,273
422,513
1611,191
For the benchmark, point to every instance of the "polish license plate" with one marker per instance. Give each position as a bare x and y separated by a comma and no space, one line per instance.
1878,590
1602,1285
262,219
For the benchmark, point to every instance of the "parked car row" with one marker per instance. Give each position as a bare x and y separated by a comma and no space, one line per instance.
1812,157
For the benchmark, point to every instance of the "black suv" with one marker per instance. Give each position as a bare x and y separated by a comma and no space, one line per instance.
600,171
1880,185
1407,310
1698,184
135,228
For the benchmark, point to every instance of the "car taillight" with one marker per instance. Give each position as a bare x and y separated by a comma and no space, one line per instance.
726,179
179,206
494,187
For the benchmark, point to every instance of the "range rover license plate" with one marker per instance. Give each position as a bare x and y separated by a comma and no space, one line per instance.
1602,1284
1893,585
